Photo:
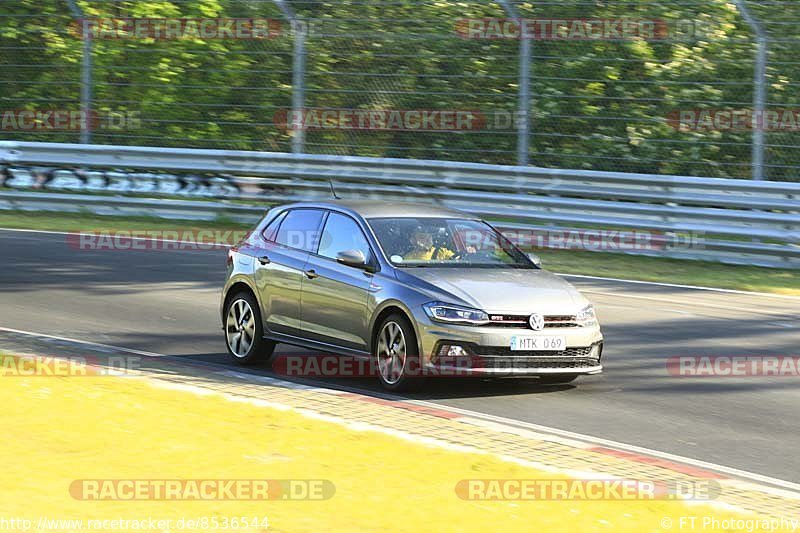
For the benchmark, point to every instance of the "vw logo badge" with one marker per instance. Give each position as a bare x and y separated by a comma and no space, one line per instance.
536,321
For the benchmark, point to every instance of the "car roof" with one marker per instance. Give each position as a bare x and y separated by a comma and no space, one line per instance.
382,209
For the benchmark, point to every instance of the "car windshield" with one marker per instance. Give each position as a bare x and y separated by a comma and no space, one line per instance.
445,242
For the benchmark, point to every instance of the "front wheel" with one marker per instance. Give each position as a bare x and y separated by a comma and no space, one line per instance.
244,333
397,355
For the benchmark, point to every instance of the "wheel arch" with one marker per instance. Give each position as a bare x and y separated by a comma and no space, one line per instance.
236,286
389,308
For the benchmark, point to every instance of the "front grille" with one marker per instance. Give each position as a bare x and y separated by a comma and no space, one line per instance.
532,362
501,351
521,321
561,321
509,321
499,358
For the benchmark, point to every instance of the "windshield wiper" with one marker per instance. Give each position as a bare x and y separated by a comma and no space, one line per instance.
405,265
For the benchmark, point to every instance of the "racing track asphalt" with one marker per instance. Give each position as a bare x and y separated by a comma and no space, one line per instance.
167,302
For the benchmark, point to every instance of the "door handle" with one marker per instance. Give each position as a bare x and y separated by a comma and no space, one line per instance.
264,260
311,274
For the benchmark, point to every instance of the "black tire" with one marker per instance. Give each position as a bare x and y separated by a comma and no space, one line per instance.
557,379
259,349
410,375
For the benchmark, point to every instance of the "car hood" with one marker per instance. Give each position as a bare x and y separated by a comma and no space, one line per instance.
501,291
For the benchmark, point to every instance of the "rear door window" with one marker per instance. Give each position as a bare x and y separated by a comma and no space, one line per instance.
300,229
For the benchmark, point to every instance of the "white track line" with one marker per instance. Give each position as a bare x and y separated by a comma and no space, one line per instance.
79,341
577,439
580,440
580,276
45,232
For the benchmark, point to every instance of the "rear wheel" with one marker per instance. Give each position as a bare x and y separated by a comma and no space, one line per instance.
244,334
397,355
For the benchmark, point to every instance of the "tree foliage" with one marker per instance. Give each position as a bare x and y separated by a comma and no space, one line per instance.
596,104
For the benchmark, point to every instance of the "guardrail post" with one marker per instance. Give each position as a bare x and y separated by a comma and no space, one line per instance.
86,73
760,88
524,94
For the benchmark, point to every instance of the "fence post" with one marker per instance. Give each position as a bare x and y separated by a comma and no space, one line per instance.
299,88
760,88
86,73
299,30
524,94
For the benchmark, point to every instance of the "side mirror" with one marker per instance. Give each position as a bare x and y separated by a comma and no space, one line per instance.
535,259
352,258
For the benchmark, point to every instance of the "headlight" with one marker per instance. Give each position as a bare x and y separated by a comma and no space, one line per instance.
454,314
586,316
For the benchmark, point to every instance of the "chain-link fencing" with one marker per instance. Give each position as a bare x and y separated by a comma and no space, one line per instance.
705,88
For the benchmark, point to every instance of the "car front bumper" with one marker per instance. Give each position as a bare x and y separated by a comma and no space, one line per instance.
487,350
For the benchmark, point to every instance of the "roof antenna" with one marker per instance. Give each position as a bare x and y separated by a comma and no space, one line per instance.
333,191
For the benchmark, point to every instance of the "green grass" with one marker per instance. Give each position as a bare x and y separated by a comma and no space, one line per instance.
748,278
703,273
54,221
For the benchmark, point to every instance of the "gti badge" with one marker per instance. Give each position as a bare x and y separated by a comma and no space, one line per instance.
536,321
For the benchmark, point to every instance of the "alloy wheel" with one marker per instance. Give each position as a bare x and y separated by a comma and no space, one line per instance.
240,328
391,353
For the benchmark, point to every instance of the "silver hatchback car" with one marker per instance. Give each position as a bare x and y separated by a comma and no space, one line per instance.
419,290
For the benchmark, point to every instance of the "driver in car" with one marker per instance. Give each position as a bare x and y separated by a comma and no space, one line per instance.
422,249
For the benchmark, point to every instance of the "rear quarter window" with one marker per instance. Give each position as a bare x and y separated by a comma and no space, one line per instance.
271,231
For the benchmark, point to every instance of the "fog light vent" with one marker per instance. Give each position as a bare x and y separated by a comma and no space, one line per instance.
451,350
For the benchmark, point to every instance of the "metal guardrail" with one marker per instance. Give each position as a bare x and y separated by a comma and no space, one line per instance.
738,221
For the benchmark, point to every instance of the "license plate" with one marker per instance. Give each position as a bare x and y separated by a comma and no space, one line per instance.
547,343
